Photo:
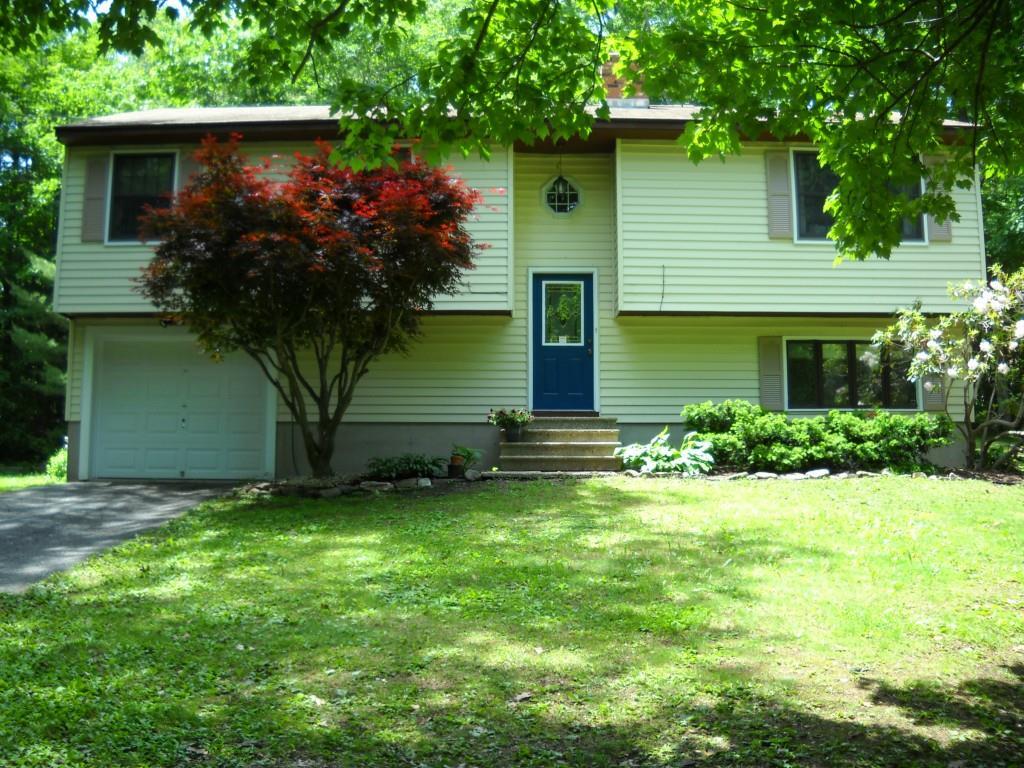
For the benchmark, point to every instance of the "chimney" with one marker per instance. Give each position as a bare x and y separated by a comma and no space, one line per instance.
614,87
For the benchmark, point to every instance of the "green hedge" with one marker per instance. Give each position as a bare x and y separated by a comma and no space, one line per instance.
746,436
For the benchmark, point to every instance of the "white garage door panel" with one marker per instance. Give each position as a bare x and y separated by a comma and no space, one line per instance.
162,410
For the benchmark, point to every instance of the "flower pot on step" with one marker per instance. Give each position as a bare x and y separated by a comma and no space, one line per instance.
514,434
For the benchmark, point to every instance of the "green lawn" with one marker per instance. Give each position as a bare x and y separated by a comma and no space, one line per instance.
611,622
17,482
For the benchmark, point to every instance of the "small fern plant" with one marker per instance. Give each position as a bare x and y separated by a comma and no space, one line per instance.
692,458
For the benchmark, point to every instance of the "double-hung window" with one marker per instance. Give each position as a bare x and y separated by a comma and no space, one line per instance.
812,186
825,374
137,180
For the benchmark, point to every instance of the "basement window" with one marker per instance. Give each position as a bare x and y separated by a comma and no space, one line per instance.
822,375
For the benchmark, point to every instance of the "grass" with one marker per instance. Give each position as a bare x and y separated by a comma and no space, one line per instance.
15,482
610,622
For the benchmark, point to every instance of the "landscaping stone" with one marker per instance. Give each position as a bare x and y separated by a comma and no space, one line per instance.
729,476
841,476
375,485
764,476
817,474
865,473
411,483
473,475
631,473
794,476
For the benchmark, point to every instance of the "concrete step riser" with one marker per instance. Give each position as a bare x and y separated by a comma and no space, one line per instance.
571,436
558,449
561,464
568,422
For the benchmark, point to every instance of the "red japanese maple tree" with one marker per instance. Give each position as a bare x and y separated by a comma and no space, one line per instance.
314,276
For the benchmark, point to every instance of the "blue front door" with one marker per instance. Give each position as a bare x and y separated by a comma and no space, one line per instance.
563,342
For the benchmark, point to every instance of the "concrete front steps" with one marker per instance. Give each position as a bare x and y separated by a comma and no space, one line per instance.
564,444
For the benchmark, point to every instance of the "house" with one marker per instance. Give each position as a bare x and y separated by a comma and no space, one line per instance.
621,281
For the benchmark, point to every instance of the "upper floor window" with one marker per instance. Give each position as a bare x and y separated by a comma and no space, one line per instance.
561,195
847,374
813,184
138,180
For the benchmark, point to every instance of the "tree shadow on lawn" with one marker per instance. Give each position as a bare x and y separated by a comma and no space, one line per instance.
509,626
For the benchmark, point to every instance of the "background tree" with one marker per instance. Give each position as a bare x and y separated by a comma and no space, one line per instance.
64,78
333,264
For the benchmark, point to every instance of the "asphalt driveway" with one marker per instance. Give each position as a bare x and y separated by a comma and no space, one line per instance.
52,527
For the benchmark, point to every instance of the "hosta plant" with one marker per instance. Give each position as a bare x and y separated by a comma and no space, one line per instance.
692,458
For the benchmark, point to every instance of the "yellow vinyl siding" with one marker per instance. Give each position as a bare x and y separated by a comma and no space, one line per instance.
458,369
694,238
96,278
652,366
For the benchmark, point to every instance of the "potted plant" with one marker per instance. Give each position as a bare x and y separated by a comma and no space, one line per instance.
462,458
512,420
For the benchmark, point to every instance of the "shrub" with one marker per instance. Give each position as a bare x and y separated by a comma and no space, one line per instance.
401,467
691,458
751,438
57,464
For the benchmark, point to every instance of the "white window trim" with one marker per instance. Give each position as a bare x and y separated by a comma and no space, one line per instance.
844,337
544,315
595,287
544,196
110,188
794,203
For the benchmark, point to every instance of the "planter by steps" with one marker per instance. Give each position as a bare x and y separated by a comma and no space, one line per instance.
515,434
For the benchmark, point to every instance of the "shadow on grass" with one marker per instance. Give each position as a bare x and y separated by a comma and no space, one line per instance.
543,624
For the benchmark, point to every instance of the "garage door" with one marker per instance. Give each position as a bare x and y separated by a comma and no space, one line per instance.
163,410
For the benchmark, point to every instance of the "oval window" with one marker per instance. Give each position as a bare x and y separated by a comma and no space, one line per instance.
561,195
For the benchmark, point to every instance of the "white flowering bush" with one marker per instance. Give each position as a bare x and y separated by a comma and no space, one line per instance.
979,351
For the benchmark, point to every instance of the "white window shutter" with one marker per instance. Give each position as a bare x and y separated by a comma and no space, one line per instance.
780,200
938,233
769,364
94,202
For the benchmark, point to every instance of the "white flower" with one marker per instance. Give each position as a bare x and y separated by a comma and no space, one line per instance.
935,333
1003,368
929,386
981,303
995,285
1018,329
934,345
952,371
972,364
985,346
1012,345
922,356
968,285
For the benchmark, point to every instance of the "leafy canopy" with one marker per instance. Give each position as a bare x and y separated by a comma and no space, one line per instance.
333,262
868,81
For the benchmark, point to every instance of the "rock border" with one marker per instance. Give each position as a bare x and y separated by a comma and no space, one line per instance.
336,487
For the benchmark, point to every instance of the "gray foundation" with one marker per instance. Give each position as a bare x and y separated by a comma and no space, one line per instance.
74,436
357,443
